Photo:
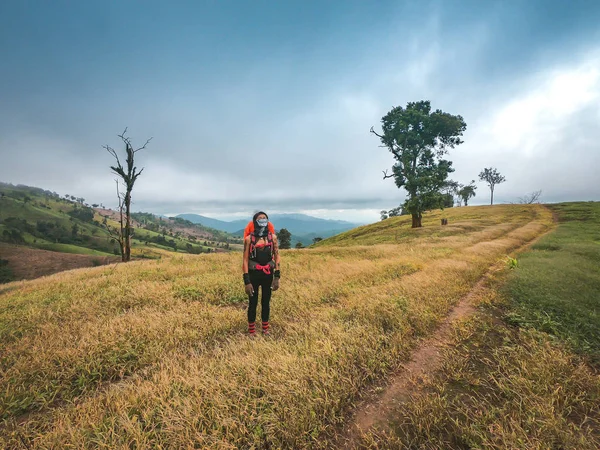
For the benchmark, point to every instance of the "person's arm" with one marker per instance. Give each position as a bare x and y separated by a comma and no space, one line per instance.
247,284
277,260
276,257
246,254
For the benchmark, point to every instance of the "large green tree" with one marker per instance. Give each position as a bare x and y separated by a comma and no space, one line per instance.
418,138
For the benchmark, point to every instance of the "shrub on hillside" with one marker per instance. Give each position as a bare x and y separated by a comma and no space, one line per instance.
6,274
84,214
13,236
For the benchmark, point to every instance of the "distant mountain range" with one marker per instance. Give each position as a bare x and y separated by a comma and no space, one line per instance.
302,227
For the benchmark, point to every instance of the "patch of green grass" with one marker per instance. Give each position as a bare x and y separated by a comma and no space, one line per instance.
556,287
69,248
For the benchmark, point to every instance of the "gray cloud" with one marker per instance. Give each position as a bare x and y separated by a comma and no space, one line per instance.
287,137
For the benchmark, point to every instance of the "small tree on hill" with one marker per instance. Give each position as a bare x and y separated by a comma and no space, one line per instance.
395,212
418,138
299,245
466,192
492,177
128,176
285,239
317,239
529,199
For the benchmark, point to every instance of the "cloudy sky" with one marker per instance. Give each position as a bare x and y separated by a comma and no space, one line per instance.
268,104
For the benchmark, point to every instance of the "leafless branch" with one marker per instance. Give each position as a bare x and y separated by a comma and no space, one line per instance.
113,153
128,142
142,147
385,174
375,133
124,138
529,199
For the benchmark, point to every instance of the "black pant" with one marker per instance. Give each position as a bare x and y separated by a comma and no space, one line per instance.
259,278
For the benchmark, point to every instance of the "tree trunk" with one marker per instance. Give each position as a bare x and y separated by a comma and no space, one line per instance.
127,237
492,199
122,250
122,233
416,220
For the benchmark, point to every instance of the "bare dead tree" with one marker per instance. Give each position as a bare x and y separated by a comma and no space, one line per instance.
118,234
529,199
128,177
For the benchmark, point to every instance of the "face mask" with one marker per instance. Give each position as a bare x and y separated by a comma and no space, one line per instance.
262,222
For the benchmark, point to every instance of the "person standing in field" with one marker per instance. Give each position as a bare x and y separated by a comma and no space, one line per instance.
261,268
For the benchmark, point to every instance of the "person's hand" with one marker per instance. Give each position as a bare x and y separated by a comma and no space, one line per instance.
275,284
249,290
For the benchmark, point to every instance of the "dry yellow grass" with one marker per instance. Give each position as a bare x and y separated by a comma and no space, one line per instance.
154,354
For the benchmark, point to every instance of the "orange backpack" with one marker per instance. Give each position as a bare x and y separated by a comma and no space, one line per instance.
250,229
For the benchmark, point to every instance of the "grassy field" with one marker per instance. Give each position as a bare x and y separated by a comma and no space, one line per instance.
153,354
557,289
534,385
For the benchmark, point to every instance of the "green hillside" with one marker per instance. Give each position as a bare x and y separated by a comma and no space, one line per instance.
43,219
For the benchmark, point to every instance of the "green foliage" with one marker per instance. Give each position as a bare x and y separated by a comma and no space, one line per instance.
447,201
84,214
418,139
466,192
512,263
285,239
394,212
6,274
556,286
20,225
13,236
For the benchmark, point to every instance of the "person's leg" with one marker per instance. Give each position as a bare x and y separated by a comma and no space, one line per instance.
252,304
265,302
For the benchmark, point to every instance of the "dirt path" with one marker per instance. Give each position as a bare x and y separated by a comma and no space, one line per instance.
375,409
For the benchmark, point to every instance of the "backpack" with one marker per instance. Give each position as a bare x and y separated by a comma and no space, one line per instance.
253,243
250,229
